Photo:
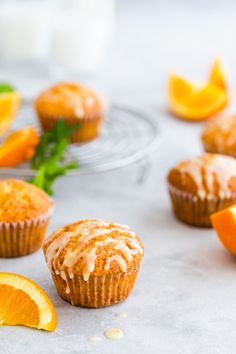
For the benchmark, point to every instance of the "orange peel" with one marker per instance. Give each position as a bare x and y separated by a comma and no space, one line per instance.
224,223
18,147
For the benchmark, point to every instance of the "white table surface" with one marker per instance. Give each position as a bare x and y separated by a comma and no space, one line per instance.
184,299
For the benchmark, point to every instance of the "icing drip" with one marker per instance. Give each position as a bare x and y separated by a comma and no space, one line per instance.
55,248
207,169
119,260
64,277
117,237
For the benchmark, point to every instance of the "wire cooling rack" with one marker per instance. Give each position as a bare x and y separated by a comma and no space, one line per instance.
128,136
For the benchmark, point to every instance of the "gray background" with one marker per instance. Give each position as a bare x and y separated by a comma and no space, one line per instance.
184,299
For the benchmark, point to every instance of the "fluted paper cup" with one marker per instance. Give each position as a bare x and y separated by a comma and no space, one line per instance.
97,291
89,127
23,237
196,211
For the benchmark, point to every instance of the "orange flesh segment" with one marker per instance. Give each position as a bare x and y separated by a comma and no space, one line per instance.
190,102
23,302
16,307
9,104
179,87
18,147
224,223
217,76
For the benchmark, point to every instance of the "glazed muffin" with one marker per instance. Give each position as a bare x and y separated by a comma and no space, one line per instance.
93,263
201,187
24,216
76,104
219,136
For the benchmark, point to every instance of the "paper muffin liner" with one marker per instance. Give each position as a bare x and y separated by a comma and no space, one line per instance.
196,211
219,150
23,237
98,291
89,127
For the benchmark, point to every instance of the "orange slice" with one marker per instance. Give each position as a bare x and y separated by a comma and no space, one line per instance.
18,147
224,223
9,104
191,102
23,302
217,76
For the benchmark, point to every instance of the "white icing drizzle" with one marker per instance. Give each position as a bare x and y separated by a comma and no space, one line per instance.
64,277
79,112
55,248
222,131
119,260
119,237
90,101
206,169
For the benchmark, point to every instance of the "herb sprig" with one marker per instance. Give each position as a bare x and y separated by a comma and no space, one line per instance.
49,159
6,88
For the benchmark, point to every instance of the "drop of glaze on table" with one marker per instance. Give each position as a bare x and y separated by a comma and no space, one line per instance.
114,333
121,314
95,339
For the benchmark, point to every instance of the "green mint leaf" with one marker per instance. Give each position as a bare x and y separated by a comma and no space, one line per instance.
6,88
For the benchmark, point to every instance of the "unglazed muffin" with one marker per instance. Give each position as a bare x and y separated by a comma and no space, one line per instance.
76,104
219,136
93,263
201,187
24,216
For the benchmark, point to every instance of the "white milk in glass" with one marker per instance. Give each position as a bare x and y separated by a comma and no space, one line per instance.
24,30
82,33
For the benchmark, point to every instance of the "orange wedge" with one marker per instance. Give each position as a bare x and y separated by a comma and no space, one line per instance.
224,223
191,102
18,147
217,76
9,104
23,302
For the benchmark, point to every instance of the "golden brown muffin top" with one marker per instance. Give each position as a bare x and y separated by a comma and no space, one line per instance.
220,134
92,246
205,175
21,201
69,100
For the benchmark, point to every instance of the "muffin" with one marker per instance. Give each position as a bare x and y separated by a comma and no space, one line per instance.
93,263
201,187
219,136
76,104
24,216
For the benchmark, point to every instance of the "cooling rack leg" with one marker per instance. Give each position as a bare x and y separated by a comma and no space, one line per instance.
143,170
